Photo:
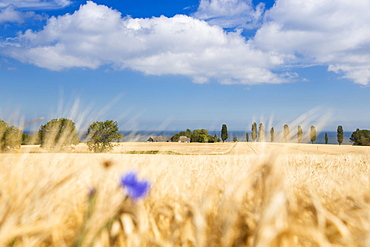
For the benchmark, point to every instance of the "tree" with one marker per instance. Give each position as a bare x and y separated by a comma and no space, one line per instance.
224,134
254,131
58,135
247,136
326,138
272,134
199,135
30,139
215,138
10,137
235,139
313,134
261,133
299,134
286,133
188,133
340,134
100,136
360,137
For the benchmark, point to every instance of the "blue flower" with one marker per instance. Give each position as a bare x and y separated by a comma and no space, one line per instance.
135,188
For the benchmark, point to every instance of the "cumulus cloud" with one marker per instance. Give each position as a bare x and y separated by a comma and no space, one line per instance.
9,14
96,35
36,4
334,33
230,13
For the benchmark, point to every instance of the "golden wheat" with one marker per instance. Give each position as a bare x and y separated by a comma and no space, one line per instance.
251,194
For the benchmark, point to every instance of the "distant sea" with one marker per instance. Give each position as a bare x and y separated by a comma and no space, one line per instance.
142,136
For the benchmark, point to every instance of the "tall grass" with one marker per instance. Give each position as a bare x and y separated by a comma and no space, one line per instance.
260,199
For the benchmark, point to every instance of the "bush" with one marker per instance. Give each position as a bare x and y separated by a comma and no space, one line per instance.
100,135
360,137
58,135
10,137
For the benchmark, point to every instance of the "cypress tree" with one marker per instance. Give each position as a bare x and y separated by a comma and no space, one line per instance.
286,133
247,136
272,134
224,134
261,133
254,131
340,134
299,134
326,138
313,134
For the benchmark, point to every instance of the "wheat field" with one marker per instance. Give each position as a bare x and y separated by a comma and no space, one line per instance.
222,194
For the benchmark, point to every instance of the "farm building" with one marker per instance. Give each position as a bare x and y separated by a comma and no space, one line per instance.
159,139
184,139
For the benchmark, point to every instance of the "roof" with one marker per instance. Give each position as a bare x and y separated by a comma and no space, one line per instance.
184,139
159,139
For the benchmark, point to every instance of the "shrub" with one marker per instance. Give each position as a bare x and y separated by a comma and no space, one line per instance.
100,136
10,137
360,137
58,135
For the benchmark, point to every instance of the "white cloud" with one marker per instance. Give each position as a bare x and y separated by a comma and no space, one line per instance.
96,35
334,33
36,4
9,14
230,13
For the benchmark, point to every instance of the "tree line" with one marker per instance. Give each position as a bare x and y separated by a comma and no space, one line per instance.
260,134
60,135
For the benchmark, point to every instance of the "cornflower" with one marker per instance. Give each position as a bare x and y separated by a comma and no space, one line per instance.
135,189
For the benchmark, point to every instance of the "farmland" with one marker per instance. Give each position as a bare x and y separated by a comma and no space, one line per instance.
219,194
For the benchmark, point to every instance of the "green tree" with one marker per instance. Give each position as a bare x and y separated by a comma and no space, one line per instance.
212,139
224,134
247,136
235,139
188,133
286,133
299,134
326,138
313,134
200,135
261,133
58,135
30,139
360,137
254,131
100,136
175,137
340,134
272,134
10,137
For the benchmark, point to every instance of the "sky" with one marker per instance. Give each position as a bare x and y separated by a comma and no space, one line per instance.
173,65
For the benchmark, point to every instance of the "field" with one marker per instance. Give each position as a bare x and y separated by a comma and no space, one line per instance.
223,194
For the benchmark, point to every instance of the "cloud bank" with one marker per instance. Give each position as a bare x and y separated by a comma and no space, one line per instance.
293,33
9,14
230,13
96,35
334,33
35,4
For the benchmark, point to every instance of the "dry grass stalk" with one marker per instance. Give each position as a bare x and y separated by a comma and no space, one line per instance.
296,198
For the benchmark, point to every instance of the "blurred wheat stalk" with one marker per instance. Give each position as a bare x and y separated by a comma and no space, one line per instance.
292,200
262,199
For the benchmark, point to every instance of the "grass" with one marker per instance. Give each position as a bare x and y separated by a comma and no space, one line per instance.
250,194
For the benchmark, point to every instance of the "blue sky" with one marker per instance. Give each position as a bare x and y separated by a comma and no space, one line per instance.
154,65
